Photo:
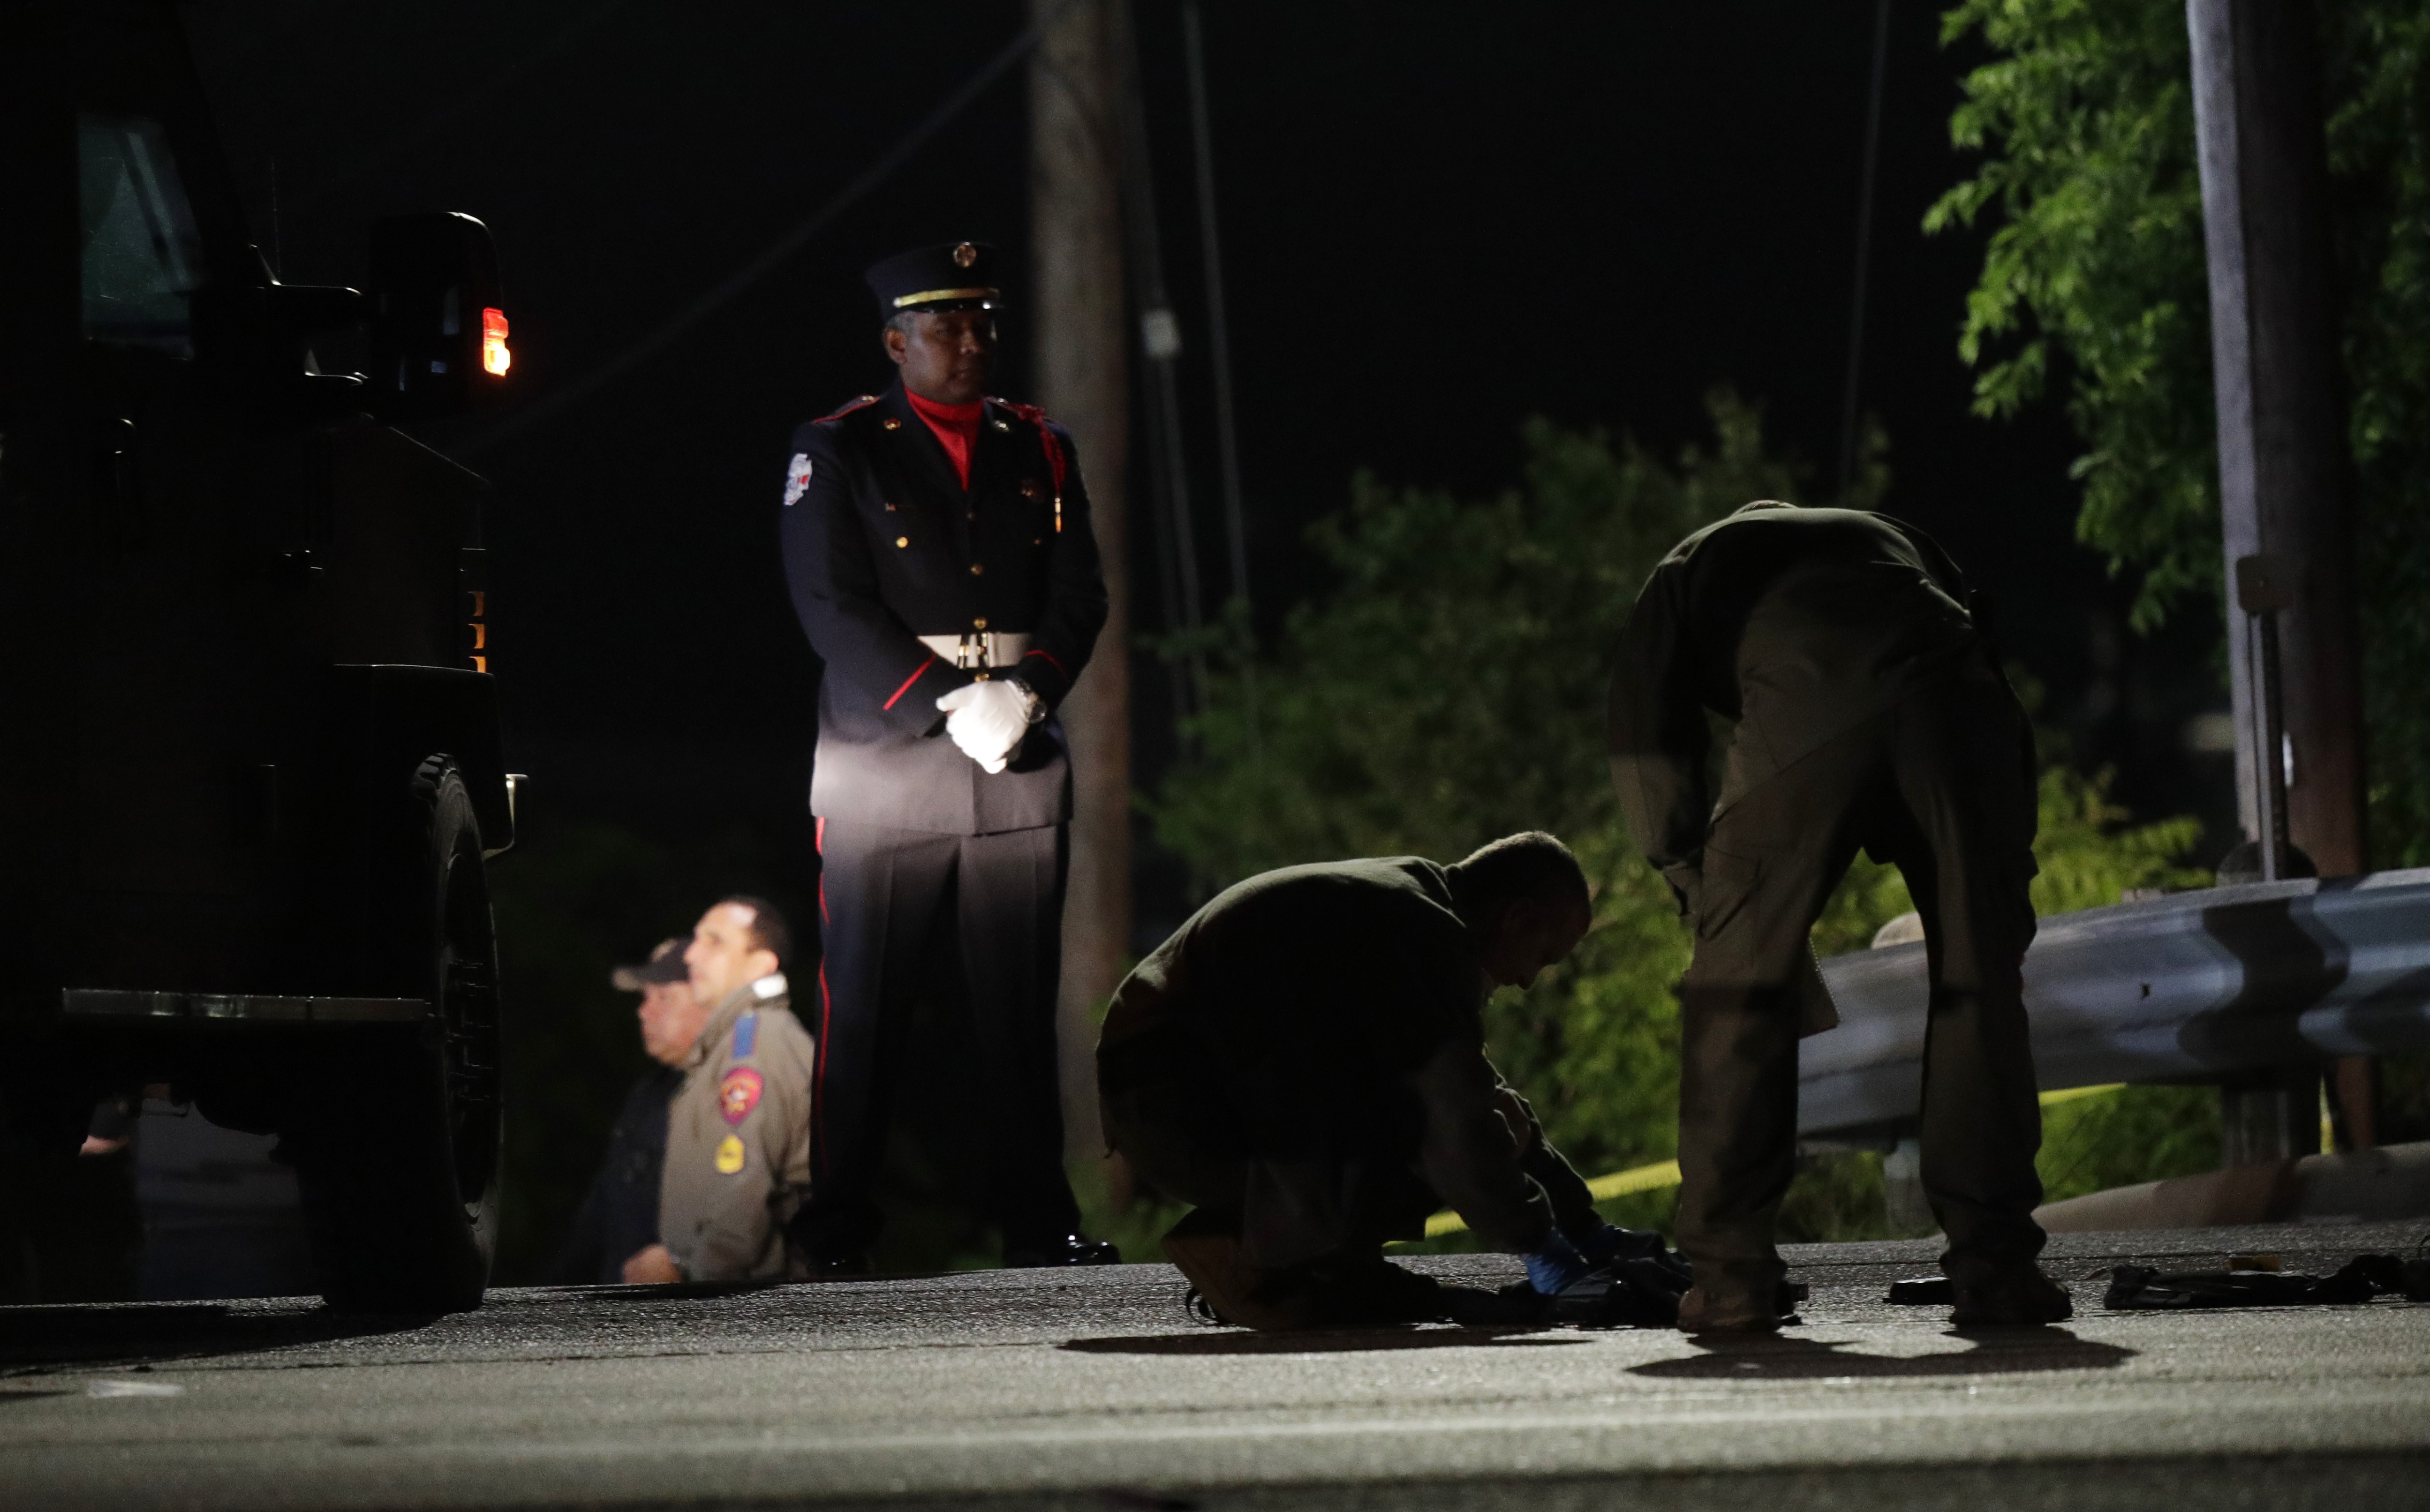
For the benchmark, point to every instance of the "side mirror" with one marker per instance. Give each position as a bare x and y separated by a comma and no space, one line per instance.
438,322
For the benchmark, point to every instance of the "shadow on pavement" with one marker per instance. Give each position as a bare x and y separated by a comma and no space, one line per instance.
2004,1352
69,1334
1316,1342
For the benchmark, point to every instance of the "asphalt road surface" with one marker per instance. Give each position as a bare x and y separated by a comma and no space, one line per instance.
1093,1388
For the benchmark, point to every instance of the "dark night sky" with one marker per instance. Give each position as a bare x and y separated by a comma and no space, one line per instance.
1439,220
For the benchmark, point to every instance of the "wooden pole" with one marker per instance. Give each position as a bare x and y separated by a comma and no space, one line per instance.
1077,245
2285,479
2285,476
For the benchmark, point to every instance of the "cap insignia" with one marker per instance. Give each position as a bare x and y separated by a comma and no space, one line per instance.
964,254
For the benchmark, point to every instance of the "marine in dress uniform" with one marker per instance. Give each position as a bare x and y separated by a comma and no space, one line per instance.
1869,712
938,550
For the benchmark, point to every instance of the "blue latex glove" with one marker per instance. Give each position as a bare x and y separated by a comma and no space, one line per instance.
1556,1268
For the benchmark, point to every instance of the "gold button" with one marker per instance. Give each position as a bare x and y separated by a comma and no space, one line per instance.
979,623
977,567
1037,541
894,425
903,541
1004,424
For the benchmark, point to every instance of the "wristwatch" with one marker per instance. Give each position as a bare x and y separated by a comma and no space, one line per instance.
1033,707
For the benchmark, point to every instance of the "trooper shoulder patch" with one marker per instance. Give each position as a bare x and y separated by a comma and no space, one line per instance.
730,1155
747,1035
797,477
737,1094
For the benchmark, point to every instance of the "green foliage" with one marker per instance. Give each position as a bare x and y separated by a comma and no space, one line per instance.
1836,1198
2096,270
2088,853
2133,1134
1451,690
2097,266
2379,152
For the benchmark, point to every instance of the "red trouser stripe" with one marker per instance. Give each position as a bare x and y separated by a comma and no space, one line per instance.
827,1003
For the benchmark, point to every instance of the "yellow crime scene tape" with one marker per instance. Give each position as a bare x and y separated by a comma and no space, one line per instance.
1666,1174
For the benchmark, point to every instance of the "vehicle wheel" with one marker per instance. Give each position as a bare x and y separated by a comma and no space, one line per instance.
399,1161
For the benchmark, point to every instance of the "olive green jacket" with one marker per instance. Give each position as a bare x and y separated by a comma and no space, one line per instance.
1796,623
738,1139
1326,1020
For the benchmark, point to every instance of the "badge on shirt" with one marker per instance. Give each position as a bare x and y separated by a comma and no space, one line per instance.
737,1094
797,477
747,1035
729,1155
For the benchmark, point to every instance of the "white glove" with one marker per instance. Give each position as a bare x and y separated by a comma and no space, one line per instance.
987,720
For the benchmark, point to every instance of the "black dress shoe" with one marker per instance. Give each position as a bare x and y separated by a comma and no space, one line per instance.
1064,1248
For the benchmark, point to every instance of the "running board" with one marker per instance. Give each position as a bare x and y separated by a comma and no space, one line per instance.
255,1007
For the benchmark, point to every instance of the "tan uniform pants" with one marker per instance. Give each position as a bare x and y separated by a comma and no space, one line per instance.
1938,785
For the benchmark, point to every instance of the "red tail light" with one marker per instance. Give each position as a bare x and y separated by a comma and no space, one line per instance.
495,359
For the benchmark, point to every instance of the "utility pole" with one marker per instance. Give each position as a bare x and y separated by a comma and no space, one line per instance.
2286,491
1076,246
1236,531
1848,391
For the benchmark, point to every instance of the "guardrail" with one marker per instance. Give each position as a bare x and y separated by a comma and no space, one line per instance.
2194,985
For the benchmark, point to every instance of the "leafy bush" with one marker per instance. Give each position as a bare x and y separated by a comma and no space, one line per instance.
2095,277
1451,690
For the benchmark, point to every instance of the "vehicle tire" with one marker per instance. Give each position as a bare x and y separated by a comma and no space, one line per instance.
398,1158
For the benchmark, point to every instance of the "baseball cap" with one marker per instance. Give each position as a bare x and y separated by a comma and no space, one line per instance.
666,964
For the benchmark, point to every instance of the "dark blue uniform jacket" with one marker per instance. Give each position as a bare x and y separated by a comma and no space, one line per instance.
619,1216
883,545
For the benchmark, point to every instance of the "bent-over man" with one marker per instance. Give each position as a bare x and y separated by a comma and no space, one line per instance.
1304,1062
738,1133
1869,712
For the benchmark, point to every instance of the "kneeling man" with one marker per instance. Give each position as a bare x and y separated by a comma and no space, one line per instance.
1304,1062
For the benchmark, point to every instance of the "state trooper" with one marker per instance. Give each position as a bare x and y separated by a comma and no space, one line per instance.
938,546
1868,712
738,1156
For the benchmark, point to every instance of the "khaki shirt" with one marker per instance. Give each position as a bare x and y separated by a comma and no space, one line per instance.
738,1139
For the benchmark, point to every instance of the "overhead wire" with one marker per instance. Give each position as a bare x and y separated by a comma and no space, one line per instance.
774,255
1220,351
463,105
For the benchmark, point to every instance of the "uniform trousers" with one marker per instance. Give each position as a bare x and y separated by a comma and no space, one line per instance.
1162,1123
1942,785
974,917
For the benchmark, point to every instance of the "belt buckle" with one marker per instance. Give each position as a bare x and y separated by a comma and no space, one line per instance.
971,653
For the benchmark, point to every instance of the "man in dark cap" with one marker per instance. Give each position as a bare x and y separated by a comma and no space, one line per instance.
1304,1062
1869,712
939,549
618,1221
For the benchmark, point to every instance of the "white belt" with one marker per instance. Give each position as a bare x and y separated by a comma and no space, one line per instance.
979,648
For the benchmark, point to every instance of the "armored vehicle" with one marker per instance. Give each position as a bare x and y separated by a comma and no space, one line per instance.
250,776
